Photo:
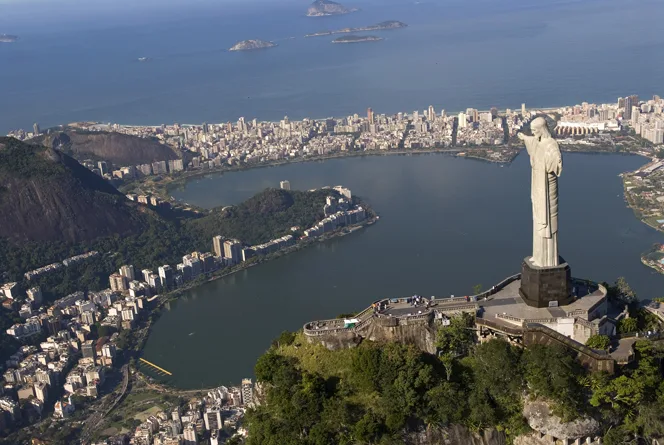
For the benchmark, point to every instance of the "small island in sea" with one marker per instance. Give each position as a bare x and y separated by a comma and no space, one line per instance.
356,39
321,8
8,38
390,24
247,45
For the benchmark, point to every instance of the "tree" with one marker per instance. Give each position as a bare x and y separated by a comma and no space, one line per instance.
624,292
458,336
454,340
286,338
369,428
277,370
477,289
446,404
553,373
627,325
602,342
497,387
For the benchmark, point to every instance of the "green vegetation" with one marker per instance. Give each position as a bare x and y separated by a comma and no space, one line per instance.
266,216
27,161
601,342
377,393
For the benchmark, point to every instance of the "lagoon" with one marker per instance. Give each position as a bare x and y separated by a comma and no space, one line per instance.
446,225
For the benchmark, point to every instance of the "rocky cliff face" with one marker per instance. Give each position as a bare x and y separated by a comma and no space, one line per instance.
120,149
454,435
541,419
421,335
48,196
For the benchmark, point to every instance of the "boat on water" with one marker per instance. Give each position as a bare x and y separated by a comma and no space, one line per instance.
191,333
143,59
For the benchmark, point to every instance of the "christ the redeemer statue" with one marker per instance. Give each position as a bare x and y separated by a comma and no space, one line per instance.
547,165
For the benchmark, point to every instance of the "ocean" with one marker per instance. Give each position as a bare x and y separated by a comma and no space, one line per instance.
77,61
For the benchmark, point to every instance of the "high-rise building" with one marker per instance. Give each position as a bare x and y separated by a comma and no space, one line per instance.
88,349
128,271
463,120
185,271
627,115
247,392
233,251
218,246
175,165
370,115
154,281
213,420
103,167
432,113
194,263
189,434
35,295
523,109
166,275
472,114
207,262
35,128
285,185
88,317
41,391
118,282
159,167
636,114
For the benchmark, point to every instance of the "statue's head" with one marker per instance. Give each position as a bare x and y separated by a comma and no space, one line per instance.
539,127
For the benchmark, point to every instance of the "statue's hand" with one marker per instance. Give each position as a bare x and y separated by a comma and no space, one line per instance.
521,136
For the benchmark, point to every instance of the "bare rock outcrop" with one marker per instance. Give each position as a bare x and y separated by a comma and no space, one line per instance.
541,419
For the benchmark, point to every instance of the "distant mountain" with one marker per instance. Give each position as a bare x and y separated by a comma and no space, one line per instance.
247,45
321,8
46,195
120,149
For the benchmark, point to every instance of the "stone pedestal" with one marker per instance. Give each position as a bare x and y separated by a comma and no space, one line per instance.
546,286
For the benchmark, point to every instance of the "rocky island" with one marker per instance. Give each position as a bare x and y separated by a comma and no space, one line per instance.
391,24
321,8
247,45
8,38
356,39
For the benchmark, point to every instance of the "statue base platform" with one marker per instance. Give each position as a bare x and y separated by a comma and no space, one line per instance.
546,286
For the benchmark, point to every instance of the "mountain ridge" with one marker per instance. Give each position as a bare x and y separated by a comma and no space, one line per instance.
117,148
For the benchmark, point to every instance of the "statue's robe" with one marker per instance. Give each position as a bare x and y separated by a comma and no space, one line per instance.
546,164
